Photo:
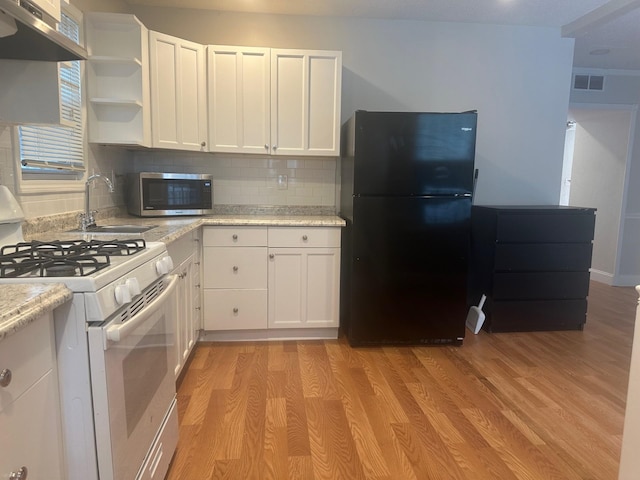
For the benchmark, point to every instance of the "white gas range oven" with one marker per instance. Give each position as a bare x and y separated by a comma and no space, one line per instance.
114,346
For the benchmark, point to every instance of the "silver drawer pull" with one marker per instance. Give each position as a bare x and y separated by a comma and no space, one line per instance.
235,237
235,310
20,474
5,377
305,238
272,256
235,269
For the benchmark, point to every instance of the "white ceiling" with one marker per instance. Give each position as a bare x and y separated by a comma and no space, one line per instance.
612,25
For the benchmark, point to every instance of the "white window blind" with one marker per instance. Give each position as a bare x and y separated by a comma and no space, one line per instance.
58,150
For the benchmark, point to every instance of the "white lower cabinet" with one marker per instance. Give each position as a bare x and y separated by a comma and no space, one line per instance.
30,424
304,277
185,255
235,278
271,278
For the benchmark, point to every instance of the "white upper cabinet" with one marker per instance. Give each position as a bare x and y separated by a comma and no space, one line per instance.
178,96
305,102
279,102
239,99
119,107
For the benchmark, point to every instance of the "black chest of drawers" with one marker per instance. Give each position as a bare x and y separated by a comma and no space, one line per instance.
532,263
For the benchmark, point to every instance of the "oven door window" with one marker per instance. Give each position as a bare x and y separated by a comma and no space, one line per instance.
136,376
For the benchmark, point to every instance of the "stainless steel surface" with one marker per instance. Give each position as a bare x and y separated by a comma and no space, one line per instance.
137,200
87,219
34,39
5,378
21,474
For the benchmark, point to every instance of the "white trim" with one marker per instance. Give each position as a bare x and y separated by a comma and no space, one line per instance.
272,334
602,277
603,71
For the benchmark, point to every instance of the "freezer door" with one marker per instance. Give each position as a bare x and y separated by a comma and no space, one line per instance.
408,270
414,153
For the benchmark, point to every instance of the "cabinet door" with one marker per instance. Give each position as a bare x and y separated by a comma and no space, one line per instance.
30,433
303,287
305,102
184,328
239,99
178,107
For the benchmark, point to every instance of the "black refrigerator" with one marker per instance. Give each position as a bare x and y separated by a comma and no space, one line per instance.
406,191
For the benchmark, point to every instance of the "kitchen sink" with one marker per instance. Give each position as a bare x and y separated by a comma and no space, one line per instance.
115,229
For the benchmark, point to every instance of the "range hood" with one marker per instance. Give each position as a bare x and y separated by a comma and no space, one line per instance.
34,39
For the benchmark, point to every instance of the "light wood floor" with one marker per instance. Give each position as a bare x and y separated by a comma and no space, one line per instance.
538,406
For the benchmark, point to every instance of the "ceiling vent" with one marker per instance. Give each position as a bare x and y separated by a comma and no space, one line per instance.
588,82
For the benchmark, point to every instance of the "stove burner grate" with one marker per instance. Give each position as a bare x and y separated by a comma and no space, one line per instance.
63,258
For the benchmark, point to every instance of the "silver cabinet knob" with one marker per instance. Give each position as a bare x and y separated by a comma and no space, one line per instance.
275,147
305,238
272,256
235,268
203,144
5,377
20,474
266,146
235,310
235,237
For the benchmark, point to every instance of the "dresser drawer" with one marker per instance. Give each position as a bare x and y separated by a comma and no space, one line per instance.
540,285
235,237
545,228
234,267
235,309
543,257
536,315
304,237
28,354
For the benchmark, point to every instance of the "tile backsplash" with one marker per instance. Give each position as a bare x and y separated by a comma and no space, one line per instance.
252,180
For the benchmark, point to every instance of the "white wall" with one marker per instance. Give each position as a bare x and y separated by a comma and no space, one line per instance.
517,78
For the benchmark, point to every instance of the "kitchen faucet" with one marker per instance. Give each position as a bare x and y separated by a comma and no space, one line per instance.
87,219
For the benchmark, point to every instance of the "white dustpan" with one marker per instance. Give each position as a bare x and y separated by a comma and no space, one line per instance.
475,317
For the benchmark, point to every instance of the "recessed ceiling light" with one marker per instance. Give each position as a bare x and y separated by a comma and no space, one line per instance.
600,51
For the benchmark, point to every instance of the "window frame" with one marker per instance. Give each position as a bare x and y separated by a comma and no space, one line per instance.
52,183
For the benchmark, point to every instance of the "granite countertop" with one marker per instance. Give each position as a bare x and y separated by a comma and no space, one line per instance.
22,304
169,229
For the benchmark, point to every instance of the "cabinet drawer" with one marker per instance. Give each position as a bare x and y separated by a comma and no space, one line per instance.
235,237
28,355
235,309
232,267
304,237
30,433
543,257
536,315
545,228
540,285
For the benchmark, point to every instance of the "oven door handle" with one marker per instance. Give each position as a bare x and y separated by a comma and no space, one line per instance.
117,333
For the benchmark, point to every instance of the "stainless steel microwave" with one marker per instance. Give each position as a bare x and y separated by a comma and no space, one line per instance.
165,194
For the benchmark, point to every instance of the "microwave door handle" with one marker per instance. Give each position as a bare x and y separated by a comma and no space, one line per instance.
116,333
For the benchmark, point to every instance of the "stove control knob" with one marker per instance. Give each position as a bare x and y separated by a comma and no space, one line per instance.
123,295
134,286
164,265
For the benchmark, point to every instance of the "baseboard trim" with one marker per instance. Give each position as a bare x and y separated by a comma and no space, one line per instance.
601,277
267,335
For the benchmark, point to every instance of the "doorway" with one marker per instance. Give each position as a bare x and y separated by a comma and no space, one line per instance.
597,155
